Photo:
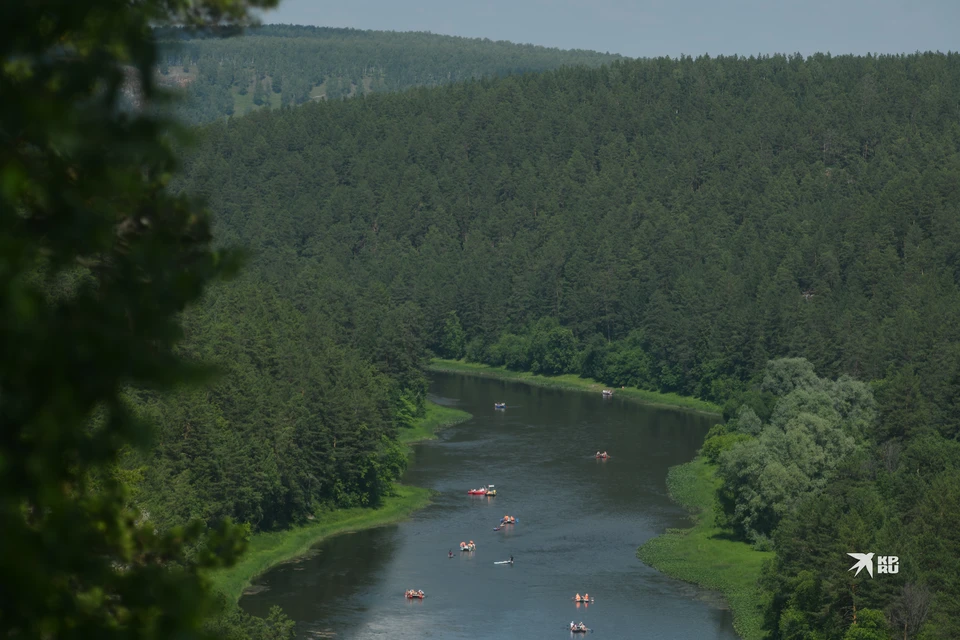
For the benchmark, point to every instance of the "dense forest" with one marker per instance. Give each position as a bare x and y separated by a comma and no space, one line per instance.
669,224
280,65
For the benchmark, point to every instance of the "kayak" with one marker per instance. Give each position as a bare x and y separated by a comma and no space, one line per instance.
504,562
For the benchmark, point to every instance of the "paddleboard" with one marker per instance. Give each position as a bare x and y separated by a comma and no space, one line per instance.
504,562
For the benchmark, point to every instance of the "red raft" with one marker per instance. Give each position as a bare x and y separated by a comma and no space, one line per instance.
477,492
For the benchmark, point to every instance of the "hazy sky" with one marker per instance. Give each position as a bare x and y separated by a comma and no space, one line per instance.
642,28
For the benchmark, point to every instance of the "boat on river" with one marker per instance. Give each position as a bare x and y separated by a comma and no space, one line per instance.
499,405
603,456
468,547
579,630
488,490
411,594
508,520
607,393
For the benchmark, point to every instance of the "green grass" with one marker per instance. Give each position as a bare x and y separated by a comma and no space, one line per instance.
437,418
266,550
574,382
705,555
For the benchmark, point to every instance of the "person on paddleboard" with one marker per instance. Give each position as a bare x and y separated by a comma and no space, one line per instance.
511,559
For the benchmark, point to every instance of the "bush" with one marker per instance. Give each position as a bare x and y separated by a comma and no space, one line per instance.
714,446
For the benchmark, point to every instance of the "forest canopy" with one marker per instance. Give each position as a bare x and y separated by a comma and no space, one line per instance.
284,65
674,225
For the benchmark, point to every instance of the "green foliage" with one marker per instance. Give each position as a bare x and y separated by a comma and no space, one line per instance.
435,417
788,374
234,624
814,426
97,261
706,554
713,446
453,339
309,63
553,349
870,625
672,225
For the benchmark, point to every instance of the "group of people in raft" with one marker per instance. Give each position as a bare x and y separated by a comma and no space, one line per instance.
508,520
415,593
468,547
584,598
577,627
602,455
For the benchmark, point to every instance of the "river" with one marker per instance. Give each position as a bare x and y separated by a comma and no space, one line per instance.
579,523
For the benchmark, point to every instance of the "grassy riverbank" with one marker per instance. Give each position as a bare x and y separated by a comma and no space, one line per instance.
574,382
269,549
704,554
437,418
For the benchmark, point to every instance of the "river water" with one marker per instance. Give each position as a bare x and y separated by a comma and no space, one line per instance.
579,523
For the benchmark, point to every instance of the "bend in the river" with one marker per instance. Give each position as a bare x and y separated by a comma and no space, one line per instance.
580,522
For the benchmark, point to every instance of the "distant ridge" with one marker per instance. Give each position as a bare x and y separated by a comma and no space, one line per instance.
280,65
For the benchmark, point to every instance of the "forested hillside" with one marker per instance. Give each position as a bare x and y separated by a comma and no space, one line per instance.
670,224
279,65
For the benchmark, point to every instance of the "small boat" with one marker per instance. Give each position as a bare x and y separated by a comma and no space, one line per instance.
579,630
584,600
508,520
607,393
504,562
603,456
468,547
491,490
499,405
419,595
477,492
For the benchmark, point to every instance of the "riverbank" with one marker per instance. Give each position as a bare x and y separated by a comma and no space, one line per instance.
574,383
267,550
704,554
436,418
